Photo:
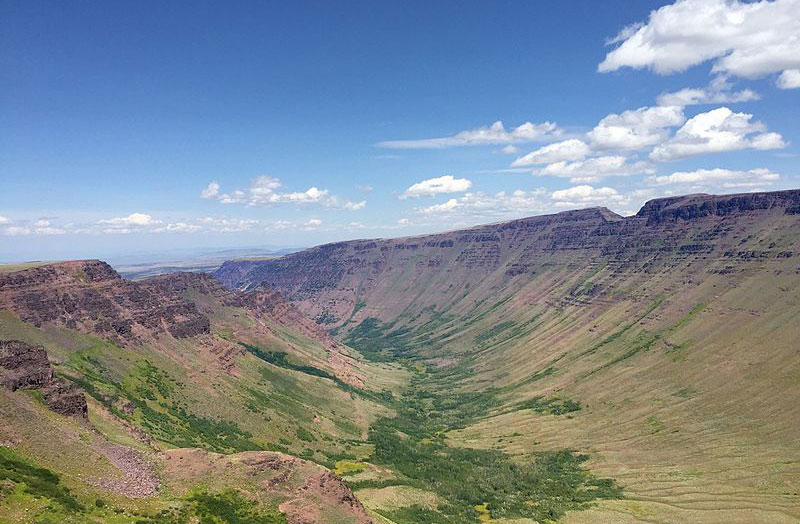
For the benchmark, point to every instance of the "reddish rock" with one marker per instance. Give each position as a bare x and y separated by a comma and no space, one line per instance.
90,296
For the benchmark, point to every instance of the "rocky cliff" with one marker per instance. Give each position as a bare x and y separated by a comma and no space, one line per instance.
26,367
340,284
91,297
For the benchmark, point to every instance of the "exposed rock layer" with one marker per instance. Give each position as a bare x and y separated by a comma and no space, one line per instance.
90,296
341,284
27,367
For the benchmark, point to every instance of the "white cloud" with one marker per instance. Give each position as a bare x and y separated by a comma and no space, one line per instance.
403,222
265,190
789,79
42,226
727,178
437,186
571,149
494,134
364,188
718,91
481,207
717,131
179,227
510,150
594,169
50,231
211,191
450,205
485,206
354,206
17,230
132,220
636,128
745,39
582,195
313,223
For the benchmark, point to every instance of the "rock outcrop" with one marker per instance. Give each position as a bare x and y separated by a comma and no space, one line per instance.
26,367
91,297
310,494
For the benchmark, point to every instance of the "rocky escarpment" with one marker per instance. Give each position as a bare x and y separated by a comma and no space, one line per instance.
262,302
90,296
343,283
26,367
694,207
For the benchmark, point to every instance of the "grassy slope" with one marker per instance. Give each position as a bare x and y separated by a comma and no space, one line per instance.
203,392
689,383
685,363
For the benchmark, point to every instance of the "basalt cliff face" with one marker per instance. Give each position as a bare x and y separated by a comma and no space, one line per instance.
92,297
27,367
341,284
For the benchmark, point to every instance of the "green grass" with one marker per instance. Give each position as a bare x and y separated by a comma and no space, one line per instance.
158,406
544,486
37,482
552,405
413,444
281,359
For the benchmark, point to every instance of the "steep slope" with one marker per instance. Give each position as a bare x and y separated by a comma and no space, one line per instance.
664,344
137,393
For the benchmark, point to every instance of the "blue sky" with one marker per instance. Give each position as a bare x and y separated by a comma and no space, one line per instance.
160,125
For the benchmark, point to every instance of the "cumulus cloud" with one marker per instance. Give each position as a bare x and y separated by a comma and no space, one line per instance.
745,39
132,220
491,135
490,206
789,79
718,91
354,206
571,149
211,191
437,186
581,196
593,169
510,149
628,131
727,178
716,131
41,226
636,128
266,190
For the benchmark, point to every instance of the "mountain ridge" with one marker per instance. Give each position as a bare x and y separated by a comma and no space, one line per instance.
669,335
